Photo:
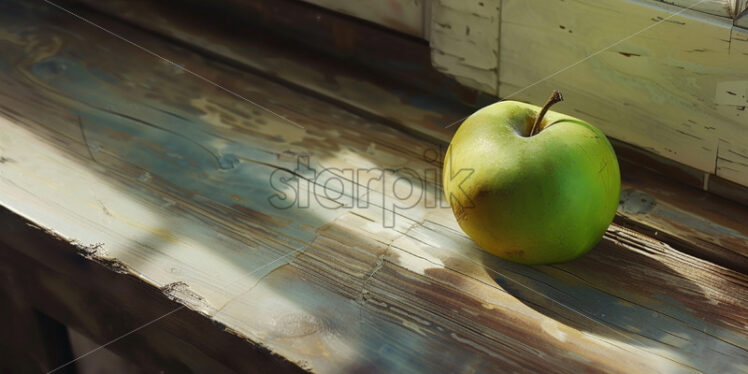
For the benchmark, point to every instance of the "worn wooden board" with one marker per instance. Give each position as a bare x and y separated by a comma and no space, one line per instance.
731,101
721,240
742,20
96,298
724,8
695,222
464,38
160,175
384,54
406,16
402,105
669,80
695,83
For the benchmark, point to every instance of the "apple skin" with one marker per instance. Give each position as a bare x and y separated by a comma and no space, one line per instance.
542,199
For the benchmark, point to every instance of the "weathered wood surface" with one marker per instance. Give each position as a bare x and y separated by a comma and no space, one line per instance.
695,222
402,15
159,175
101,300
742,20
718,233
687,106
387,56
408,16
391,101
464,39
724,8
678,88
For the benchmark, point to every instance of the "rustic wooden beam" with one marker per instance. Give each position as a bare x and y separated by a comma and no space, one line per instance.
464,39
405,16
681,110
143,167
721,238
723,8
742,20
105,303
386,55
665,89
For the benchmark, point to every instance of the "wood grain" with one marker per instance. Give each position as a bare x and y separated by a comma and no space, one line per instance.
694,222
716,233
724,8
98,302
742,20
676,106
408,106
665,68
158,175
464,38
406,16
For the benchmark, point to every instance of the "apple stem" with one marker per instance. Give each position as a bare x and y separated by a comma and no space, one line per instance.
555,98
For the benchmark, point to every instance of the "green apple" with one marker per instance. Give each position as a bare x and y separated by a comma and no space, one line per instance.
531,185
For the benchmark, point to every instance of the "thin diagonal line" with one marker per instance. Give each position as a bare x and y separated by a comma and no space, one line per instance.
173,63
588,57
249,289
170,313
85,140
116,339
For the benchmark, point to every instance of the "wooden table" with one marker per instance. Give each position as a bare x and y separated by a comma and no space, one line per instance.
136,194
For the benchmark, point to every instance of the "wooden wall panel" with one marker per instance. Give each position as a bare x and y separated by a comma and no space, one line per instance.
742,20
410,16
724,8
464,38
742,6
731,101
637,70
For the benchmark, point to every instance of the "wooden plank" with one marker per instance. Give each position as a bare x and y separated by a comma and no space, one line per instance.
692,221
742,6
729,190
742,20
402,15
464,41
407,15
654,88
99,302
688,218
159,175
725,248
730,169
731,101
318,30
406,106
724,8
